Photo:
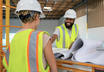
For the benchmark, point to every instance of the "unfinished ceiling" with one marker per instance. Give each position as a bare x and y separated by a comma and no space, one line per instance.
58,7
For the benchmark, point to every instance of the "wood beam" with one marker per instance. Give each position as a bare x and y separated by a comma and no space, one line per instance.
1,33
7,21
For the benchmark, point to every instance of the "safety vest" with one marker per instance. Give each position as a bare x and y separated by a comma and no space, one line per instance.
65,40
25,52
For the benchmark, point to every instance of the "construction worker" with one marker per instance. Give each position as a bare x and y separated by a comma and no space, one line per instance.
30,50
67,33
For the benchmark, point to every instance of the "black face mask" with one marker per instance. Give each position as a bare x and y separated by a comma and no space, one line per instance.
70,26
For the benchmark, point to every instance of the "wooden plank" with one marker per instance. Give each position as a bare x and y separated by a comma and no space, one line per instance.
70,69
93,69
3,46
10,6
1,30
7,21
11,26
79,63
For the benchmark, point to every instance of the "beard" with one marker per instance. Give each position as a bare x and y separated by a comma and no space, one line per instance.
68,26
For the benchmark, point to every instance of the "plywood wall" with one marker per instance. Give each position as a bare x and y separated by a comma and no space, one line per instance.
95,13
82,10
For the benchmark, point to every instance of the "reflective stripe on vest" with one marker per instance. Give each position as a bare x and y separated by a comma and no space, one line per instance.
6,58
65,40
26,52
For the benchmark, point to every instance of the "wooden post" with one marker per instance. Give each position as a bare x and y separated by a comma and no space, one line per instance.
1,30
93,69
7,21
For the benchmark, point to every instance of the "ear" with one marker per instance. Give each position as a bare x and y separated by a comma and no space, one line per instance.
37,17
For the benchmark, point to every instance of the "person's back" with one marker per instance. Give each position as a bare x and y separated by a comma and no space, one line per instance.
26,52
30,51
18,59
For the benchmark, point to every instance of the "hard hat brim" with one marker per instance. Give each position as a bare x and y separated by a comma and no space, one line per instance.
69,17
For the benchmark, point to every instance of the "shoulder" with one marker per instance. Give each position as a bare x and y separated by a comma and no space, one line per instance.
46,38
42,33
59,26
45,35
76,25
57,31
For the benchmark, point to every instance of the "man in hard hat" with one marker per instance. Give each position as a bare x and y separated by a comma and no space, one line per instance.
30,50
67,33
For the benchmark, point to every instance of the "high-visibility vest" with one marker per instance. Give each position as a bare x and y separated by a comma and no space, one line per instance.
25,53
65,39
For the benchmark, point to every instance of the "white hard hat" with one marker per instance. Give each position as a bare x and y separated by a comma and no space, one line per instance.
29,5
70,14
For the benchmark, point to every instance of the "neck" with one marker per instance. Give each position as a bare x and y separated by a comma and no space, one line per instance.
29,26
70,28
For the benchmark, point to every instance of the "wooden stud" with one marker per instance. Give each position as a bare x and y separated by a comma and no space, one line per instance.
1,29
7,21
93,69
11,26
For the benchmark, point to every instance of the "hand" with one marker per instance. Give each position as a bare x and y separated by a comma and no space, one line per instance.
52,39
4,70
71,45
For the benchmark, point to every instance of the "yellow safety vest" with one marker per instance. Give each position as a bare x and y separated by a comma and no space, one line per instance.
65,40
25,52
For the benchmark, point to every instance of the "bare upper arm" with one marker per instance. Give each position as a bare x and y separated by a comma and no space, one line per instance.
49,53
45,39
